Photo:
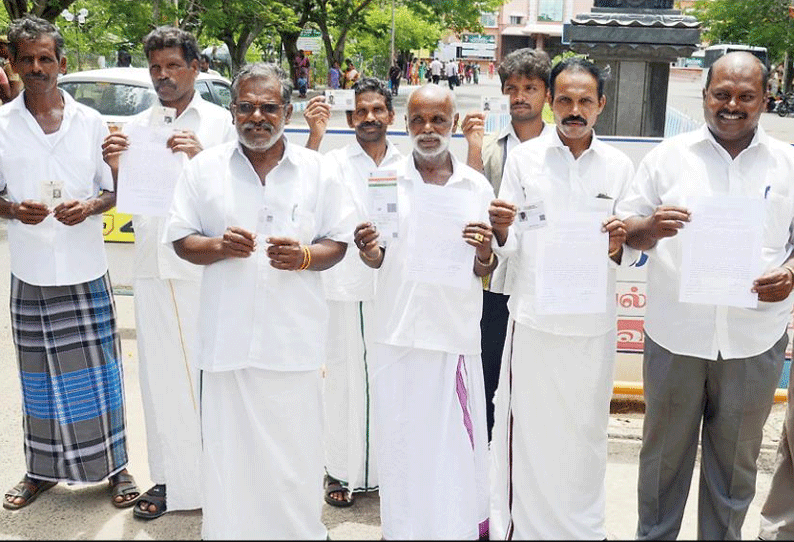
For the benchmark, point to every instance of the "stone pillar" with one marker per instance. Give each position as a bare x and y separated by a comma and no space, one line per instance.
636,40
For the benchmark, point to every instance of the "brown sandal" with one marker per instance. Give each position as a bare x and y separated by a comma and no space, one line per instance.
28,489
332,485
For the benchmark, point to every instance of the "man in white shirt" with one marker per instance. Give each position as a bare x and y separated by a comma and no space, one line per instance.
710,363
524,74
55,189
435,70
350,289
262,216
451,71
549,449
430,438
167,287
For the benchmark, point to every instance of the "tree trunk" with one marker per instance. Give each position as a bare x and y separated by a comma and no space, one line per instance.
46,9
290,42
156,12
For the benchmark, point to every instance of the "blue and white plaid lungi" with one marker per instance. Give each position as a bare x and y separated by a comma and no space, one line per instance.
69,356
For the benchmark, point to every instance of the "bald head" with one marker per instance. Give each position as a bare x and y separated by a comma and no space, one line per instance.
739,62
431,118
433,94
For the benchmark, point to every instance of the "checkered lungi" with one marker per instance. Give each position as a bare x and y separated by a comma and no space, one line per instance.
69,357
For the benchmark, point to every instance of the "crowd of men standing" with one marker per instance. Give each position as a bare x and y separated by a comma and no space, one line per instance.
444,364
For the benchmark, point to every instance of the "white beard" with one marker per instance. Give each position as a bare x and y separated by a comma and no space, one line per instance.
441,149
259,145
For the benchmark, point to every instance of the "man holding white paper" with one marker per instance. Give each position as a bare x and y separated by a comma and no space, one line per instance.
548,471
149,157
711,355
367,167
429,405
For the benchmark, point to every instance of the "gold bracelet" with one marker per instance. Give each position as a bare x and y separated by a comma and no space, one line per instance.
307,258
790,270
616,251
375,259
485,264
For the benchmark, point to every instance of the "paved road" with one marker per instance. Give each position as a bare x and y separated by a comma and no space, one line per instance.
84,512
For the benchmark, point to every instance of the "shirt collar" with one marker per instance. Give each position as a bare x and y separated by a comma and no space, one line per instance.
412,173
289,155
704,135
596,145
354,149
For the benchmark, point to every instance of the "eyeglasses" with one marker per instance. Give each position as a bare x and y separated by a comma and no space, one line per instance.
247,108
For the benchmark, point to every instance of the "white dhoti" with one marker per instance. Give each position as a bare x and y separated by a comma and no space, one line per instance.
431,443
263,455
349,453
166,313
549,447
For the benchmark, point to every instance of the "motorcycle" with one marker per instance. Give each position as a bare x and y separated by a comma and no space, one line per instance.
785,106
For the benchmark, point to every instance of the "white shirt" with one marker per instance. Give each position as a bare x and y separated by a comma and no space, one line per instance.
429,316
253,315
351,279
452,68
691,165
435,67
153,258
51,253
544,169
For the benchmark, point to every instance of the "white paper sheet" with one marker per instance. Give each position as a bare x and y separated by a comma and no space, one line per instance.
721,251
382,205
438,252
572,269
148,171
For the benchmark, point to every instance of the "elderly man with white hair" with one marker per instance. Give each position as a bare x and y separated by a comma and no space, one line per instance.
263,217
429,405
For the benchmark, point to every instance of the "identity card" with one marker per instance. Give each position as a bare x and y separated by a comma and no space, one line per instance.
52,193
162,116
382,204
341,100
498,105
531,216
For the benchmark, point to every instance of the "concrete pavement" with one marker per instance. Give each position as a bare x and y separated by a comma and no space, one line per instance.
85,512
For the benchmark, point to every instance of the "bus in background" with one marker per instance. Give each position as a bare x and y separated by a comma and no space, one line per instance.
713,52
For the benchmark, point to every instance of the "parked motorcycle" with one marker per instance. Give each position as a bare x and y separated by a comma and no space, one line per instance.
785,107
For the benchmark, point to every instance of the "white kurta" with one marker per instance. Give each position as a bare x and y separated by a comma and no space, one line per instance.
554,427
166,319
350,287
431,436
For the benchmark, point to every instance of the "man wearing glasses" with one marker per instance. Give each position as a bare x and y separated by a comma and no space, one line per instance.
262,216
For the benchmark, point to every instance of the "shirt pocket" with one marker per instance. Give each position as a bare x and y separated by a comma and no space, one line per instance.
777,221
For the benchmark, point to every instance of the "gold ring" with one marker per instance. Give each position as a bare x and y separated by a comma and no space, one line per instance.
478,237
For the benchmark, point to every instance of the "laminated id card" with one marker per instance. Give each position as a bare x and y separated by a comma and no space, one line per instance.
52,193
531,216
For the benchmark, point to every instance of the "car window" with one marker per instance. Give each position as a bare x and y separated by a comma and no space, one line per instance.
223,92
204,91
111,98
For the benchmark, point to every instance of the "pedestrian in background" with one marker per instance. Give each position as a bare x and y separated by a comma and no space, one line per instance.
334,76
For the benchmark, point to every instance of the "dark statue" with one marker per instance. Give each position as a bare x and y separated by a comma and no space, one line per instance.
636,4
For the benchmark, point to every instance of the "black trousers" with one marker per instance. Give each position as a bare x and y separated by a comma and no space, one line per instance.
493,328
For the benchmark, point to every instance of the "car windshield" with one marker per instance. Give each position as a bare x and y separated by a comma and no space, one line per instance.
111,98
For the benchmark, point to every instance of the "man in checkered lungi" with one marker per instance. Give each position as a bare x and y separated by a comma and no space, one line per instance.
55,188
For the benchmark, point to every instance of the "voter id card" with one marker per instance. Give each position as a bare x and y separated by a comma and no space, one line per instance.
531,216
162,116
497,105
265,221
341,100
52,193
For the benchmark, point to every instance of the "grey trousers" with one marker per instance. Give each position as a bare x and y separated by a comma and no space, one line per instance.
732,398
777,514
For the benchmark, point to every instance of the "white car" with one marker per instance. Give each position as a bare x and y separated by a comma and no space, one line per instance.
119,93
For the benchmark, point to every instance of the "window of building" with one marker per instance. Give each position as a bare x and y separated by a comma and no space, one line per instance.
516,19
550,10
488,19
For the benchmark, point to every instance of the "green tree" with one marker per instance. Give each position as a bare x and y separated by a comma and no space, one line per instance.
411,32
47,9
763,23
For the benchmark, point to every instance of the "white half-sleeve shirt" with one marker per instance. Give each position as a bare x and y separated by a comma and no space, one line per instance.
253,315
51,253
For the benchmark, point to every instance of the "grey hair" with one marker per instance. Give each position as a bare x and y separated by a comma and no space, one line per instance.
263,70
31,28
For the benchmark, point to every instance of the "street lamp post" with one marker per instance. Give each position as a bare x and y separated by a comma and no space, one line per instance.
78,19
391,58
